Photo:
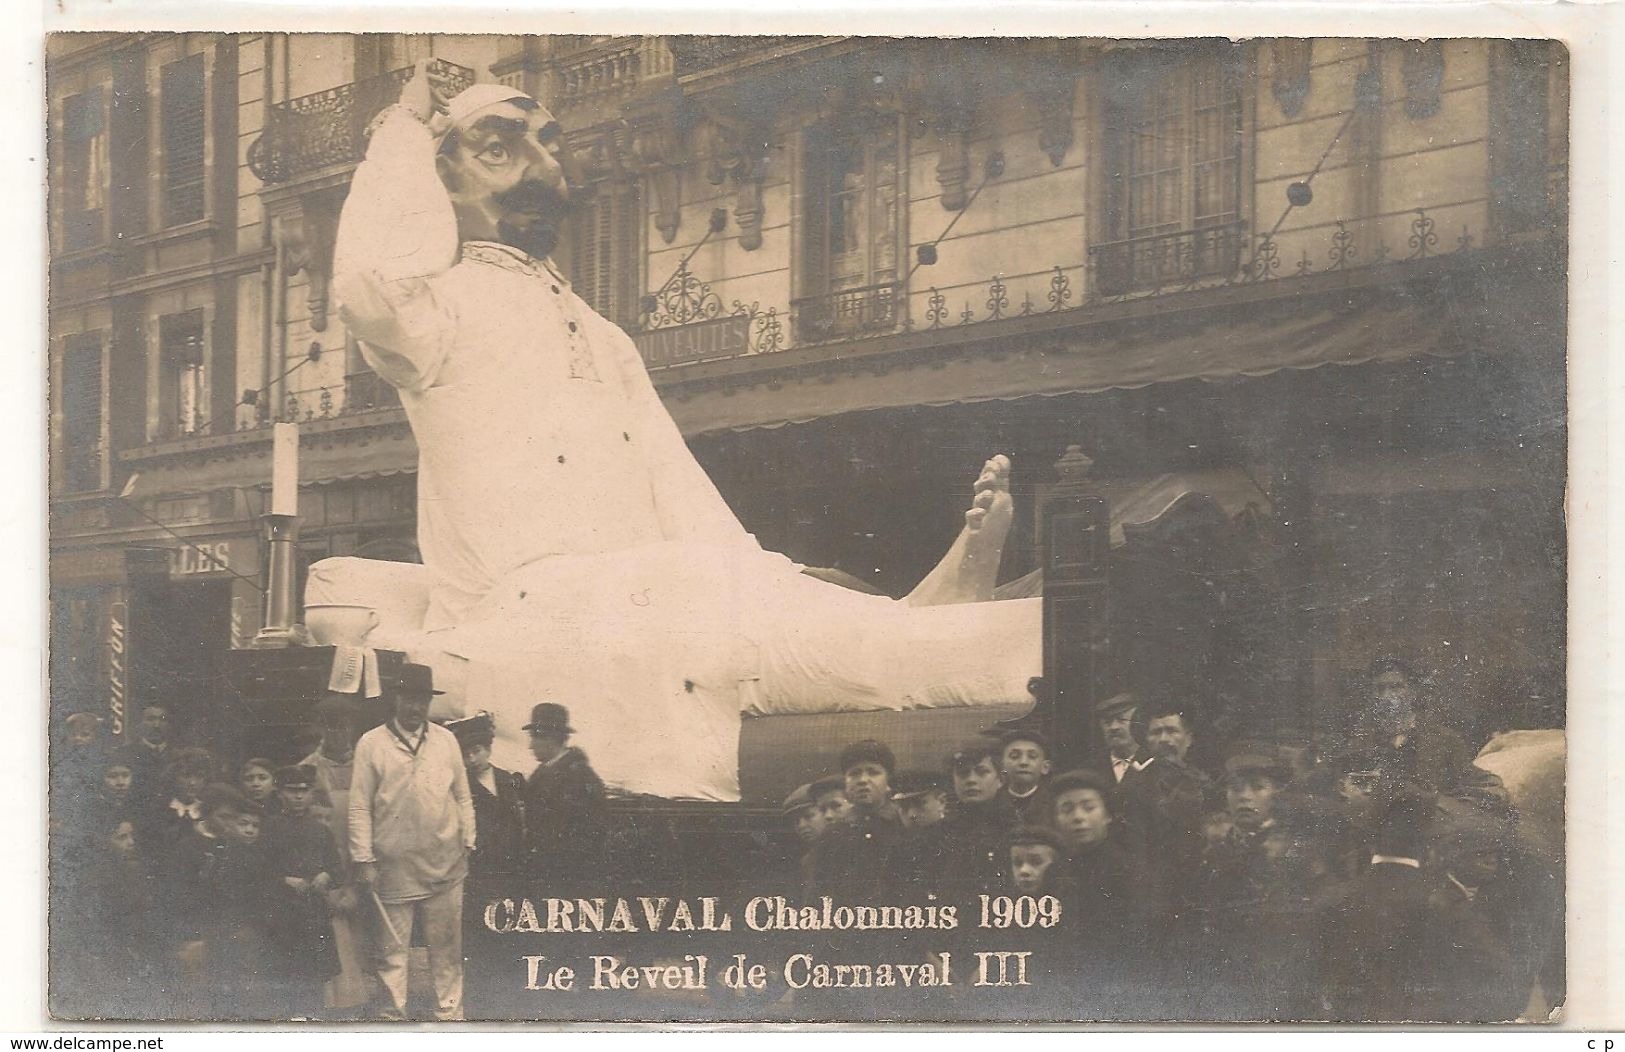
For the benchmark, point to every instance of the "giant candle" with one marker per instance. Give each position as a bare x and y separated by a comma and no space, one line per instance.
285,469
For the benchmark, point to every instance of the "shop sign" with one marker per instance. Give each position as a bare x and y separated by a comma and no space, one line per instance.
718,338
194,560
117,668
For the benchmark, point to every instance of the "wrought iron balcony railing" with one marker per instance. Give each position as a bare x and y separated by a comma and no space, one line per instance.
1165,261
865,311
327,128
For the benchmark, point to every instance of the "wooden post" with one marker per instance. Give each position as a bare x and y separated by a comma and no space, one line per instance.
1074,546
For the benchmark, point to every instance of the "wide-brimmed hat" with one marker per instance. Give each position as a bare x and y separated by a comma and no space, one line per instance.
414,681
549,718
478,729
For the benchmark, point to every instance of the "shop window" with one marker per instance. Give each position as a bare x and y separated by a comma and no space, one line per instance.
84,185
184,117
183,388
606,247
853,229
81,407
1174,134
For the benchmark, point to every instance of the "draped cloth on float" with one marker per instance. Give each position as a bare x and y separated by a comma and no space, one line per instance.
660,651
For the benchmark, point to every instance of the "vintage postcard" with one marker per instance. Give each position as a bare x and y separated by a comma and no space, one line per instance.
807,528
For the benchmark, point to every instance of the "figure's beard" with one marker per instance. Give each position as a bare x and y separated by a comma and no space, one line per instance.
534,216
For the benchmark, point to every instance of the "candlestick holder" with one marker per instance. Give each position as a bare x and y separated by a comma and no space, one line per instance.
283,627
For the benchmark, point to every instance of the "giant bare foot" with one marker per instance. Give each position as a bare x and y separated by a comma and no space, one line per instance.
969,571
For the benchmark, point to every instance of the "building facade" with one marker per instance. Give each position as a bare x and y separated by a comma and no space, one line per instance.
1301,302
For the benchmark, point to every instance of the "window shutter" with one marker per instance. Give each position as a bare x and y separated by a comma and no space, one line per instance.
184,119
628,255
130,170
82,414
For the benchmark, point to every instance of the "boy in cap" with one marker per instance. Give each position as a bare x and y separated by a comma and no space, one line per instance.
1025,760
829,794
216,886
304,865
563,801
921,800
922,808
1034,850
977,831
807,826
1107,886
856,859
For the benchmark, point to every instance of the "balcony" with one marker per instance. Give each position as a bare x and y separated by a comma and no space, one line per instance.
315,132
849,313
1167,261
697,54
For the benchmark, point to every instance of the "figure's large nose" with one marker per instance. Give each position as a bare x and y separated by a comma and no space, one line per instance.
546,165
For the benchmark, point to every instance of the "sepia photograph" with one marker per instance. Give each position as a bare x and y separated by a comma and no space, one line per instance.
806,529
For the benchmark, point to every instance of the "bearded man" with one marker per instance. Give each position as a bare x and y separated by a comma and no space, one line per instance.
561,514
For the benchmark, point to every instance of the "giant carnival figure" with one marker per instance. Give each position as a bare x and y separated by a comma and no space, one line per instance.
573,549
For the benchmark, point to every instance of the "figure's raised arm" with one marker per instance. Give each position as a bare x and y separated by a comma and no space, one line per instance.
397,230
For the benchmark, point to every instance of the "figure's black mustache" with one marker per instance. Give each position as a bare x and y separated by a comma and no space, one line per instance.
532,197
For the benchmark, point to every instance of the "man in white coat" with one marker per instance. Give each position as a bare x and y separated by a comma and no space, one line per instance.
411,830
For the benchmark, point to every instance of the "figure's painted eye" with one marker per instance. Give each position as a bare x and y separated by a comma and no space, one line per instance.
496,152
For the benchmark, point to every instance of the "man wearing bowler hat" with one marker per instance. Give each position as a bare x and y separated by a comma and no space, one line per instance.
411,831
564,799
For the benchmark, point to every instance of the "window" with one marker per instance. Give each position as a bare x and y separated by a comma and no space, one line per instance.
1173,140
183,391
184,116
85,182
606,248
852,229
81,407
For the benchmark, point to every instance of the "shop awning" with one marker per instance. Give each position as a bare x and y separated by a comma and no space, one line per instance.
325,455
1071,363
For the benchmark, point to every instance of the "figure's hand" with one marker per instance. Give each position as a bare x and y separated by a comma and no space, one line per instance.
366,873
425,95
296,883
321,882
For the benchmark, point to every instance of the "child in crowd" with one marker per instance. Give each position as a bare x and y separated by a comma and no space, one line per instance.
118,776
1026,765
303,866
829,796
977,831
257,779
184,778
807,825
921,799
1034,851
218,906
856,858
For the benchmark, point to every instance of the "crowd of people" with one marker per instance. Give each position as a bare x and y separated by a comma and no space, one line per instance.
184,889
1379,876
